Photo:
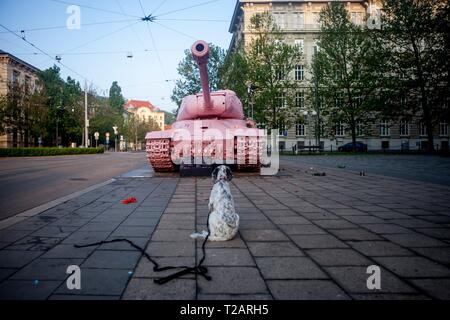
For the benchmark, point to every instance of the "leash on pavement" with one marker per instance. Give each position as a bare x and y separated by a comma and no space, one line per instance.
198,268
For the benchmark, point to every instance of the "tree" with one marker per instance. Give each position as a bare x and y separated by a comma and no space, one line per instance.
116,100
346,70
415,34
190,74
104,118
135,130
269,62
234,75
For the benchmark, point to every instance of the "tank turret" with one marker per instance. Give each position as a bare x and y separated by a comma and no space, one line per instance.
222,104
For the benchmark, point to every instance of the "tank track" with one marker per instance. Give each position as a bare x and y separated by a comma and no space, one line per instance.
158,154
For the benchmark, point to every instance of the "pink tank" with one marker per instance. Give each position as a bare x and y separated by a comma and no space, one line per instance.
210,129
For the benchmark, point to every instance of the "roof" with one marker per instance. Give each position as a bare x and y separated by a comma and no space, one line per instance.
13,57
140,104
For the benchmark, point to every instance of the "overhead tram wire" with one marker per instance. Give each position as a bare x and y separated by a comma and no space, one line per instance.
186,8
147,19
65,26
159,6
175,30
96,39
95,8
48,55
132,29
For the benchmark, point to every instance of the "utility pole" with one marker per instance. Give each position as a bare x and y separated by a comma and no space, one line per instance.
86,125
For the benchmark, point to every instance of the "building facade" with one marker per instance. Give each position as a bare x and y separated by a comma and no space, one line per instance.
298,21
145,111
15,70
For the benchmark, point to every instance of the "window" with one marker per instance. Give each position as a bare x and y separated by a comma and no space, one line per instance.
15,76
300,43
281,100
299,72
279,75
443,128
316,47
384,128
359,129
300,100
299,20
423,129
356,18
339,101
279,19
315,19
404,128
340,129
282,129
300,129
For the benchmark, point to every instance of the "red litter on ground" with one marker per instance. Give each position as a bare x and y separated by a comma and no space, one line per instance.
129,200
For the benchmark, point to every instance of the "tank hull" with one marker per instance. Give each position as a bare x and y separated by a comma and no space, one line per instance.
205,142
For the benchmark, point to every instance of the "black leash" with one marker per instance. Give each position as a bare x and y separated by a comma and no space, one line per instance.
196,269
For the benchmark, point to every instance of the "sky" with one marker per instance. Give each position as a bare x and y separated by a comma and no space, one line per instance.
109,30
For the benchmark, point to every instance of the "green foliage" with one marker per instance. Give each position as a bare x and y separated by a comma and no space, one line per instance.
135,129
415,36
346,71
268,64
116,100
43,152
190,74
169,117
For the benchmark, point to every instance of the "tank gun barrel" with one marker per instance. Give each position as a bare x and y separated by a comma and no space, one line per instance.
200,53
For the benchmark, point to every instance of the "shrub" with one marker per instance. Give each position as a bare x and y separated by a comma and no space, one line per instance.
42,152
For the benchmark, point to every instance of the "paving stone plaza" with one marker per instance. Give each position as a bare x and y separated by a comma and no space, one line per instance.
301,237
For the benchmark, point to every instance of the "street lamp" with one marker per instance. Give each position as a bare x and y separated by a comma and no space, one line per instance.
116,132
251,91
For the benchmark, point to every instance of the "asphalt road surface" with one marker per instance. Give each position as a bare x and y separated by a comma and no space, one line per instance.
29,182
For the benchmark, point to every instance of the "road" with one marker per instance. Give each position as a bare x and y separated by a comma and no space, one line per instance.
29,182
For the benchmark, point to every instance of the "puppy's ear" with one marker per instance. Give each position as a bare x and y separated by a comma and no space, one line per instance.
229,174
214,174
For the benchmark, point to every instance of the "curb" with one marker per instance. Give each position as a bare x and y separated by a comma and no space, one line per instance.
39,209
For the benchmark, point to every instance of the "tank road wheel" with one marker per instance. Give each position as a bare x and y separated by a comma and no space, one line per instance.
250,159
158,154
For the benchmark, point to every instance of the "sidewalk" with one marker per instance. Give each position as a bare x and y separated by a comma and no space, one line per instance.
301,237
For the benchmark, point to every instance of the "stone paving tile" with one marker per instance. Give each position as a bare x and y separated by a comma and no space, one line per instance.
289,268
299,229
46,269
274,249
263,235
27,290
17,258
414,240
103,259
436,288
227,257
379,248
338,257
67,251
317,241
232,280
441,254
355,234
145,267
414,267
353,280
306,290
146,289
99,282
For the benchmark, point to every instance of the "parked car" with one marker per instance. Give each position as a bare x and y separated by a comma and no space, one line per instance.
348,147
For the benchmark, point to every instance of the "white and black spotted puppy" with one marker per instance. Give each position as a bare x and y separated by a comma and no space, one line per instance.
223,220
